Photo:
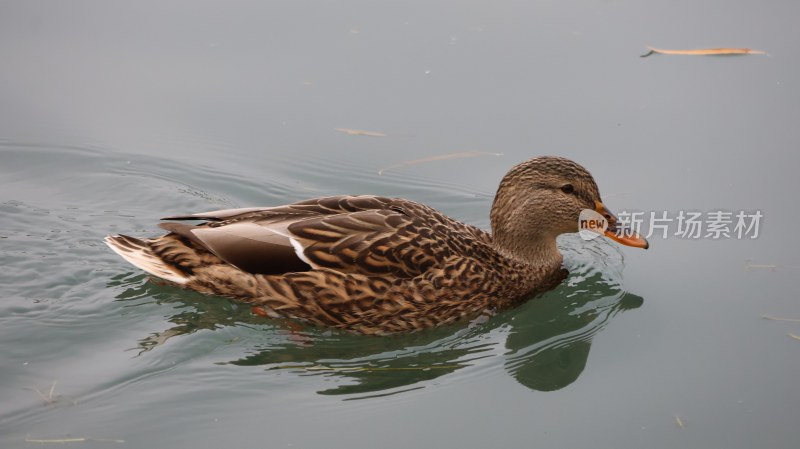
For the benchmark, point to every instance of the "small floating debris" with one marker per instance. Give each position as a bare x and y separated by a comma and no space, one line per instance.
705,52
359,132
796,337
776,318
440,157
760,266
679,422
73,440
51,398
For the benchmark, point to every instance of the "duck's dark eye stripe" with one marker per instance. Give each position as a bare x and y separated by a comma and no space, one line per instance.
568,188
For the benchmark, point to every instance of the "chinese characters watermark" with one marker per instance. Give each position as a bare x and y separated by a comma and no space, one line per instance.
713,225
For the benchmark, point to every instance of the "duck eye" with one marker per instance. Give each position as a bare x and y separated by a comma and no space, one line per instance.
568,188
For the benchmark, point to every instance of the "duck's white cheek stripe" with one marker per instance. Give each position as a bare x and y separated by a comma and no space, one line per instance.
298,249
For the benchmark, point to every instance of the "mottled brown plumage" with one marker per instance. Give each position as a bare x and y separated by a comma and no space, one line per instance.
378,265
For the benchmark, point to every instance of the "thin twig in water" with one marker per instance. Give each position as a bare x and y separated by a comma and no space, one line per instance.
440,157
796,337
751,266
359,132
679,422
73,440
705,52
48,398
775,318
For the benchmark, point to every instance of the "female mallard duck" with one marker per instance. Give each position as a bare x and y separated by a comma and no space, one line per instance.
378,265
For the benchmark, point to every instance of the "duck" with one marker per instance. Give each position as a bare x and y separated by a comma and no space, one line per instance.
376,265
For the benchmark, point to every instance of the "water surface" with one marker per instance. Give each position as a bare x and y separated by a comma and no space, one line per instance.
112,116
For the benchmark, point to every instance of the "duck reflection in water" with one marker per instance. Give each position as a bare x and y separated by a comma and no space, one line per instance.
544,344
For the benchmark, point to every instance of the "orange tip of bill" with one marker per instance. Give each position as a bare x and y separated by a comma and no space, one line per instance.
628,239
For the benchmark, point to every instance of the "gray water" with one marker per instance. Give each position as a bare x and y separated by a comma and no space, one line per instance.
115,114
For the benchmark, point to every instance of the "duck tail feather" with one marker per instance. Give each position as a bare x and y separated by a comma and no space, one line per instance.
139,253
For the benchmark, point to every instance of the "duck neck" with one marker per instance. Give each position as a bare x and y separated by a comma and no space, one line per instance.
515,237
539,251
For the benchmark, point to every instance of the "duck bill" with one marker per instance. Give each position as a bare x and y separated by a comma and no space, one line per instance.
626,237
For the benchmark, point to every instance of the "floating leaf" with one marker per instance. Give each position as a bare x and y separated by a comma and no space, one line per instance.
359,132
679,422
705,52
440,157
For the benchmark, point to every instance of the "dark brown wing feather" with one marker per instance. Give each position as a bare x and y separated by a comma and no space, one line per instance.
400,238
351,234
367,242
255,239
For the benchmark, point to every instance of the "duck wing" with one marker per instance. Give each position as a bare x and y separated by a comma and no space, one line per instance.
351,234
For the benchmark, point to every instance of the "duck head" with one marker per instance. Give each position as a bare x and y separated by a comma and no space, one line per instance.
542,198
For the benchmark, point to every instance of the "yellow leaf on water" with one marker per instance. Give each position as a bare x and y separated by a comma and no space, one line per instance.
359,132
440,157
705,52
